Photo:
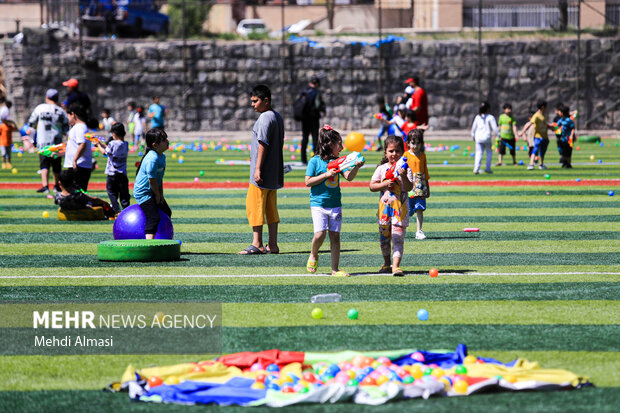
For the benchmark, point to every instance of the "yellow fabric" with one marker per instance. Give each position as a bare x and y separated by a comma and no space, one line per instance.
417,164
84,214
524,370
260,204
540,125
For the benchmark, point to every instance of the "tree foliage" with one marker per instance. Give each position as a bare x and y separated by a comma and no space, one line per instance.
196,12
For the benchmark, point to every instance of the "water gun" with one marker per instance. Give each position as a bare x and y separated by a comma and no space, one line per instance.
556,129
379,116
344,163
94,139
53,151
394,172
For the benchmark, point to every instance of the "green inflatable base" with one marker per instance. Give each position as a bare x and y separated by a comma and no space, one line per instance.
589,139
139,250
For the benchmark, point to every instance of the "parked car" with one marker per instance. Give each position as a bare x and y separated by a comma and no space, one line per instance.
247,26
132,17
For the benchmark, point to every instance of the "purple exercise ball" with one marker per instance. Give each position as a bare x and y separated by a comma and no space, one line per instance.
130,224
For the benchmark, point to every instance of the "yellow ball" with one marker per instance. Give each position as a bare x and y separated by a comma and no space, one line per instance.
511,378
46,214
258,385
416,371
470,360
172,380
437,372
19,154
591,157
14,171
460,387
382,379
174,156
355,142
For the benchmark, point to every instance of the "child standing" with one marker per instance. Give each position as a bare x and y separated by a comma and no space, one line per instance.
117,183
507,133
541,141
107,120
416,159
148,188
482,131
79,155
325,197
527,134
392,226
6,141
567,126
138,125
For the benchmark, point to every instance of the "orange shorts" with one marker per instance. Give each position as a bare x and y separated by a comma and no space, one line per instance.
261,206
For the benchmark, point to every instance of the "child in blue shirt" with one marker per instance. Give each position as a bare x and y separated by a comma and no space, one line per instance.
567,136
325,197
148,188
117,183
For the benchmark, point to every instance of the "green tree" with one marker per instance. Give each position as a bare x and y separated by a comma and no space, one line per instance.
196,12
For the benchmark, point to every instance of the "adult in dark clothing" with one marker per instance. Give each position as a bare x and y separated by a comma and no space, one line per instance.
310,119
76,95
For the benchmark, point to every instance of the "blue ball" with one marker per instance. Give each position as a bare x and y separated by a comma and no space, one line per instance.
272,367
422,314
332,370
472,155
129,224
611,193
602,144
600,161
367,371
445,162
273,386
181,161
578,180
520,162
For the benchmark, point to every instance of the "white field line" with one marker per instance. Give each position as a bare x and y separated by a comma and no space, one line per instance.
291,275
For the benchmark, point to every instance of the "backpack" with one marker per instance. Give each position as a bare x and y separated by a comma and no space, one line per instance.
299,106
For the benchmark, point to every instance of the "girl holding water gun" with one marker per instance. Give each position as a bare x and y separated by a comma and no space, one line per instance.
322,177
393,179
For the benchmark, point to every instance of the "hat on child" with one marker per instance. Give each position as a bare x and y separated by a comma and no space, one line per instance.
51,94
71,83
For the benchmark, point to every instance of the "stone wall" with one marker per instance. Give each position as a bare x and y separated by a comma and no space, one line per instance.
218,76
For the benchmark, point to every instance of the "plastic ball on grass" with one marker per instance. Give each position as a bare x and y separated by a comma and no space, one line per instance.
547,176
293,157
611,193
46,214
521,163
201,173
433,272
174,156
14,171
591,157
181,160
460,387
155,381
578,180
600,161
352,314
445,162
317,313
196,179
422,314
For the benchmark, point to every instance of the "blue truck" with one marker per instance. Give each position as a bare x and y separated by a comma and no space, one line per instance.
125,17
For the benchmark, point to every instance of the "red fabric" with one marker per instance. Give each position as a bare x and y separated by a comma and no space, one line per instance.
407,128
419,101
247,358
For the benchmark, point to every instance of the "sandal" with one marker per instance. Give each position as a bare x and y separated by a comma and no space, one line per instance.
311,266
397,272
251,250
341,274
385,269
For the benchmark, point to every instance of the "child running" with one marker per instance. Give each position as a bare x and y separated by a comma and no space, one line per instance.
117,183
416,159
325,198
148,188
393,217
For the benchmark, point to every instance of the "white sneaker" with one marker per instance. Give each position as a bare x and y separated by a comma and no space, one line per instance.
542,166
530,167
420,235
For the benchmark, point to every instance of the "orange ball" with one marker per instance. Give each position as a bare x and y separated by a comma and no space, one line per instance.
155,381
433,272
368,381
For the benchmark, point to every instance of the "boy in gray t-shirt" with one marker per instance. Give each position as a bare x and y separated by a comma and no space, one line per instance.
266,172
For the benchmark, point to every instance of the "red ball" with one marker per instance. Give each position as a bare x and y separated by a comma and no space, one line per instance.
288,389
433,272
309,377
261,377
368,381
155,381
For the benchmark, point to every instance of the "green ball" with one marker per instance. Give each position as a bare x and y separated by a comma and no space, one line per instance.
303,390
202,173
317,313
353,383
547,176
408,380
460,369
352,314
428,371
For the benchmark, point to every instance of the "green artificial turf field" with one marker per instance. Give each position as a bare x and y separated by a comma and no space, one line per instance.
541,280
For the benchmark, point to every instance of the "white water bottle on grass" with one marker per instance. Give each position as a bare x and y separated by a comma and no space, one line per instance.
326,298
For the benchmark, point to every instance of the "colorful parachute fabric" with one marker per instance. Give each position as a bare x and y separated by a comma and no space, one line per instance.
282,378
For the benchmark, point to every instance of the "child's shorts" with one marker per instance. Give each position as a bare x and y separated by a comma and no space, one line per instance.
5,150
503,143
326,218
540,146
416,203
